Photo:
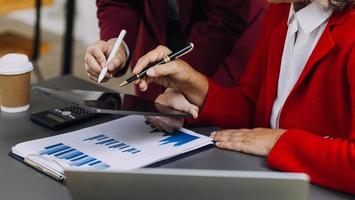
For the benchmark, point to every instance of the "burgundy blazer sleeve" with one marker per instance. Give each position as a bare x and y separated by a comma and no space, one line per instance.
220,109
214,37
115,15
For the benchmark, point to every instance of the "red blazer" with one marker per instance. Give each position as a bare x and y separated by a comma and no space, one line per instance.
319,114
214,26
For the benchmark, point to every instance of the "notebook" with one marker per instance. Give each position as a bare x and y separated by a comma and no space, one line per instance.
123,144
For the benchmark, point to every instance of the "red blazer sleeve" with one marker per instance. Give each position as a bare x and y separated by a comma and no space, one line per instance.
329,162
214,37
113,15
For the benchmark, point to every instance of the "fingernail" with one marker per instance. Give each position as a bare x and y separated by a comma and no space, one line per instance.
151,72
217,143
195,114
110,66
213,134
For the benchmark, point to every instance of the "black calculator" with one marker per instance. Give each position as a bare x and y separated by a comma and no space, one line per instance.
61,118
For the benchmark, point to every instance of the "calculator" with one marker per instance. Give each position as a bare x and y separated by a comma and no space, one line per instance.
61,118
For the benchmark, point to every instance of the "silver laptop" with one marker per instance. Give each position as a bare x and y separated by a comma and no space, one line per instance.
181,184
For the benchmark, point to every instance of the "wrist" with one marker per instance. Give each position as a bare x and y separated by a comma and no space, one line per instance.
125,53
197,88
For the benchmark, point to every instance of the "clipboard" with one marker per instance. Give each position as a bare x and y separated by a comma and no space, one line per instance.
113,145
48,172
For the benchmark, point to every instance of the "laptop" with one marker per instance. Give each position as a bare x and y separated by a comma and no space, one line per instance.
183,184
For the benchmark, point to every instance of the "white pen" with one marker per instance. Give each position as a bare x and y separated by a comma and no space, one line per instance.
114,50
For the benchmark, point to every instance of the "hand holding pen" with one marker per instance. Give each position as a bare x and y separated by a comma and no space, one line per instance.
150,61
96,58
176,74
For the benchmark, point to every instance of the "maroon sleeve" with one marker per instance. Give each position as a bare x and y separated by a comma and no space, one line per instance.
214,37
115,15
220,109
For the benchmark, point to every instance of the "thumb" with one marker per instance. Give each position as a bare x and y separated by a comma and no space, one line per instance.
193,110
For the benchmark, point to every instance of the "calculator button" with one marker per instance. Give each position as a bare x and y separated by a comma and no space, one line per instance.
66,113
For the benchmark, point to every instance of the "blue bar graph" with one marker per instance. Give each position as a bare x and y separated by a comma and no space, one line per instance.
179,138
112,144
73,156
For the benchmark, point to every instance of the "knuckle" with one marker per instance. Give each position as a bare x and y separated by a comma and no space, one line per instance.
141,60
163,48
91,48
237,146
153,55
88,49
116,61
100,42
160,47
86,58
175,65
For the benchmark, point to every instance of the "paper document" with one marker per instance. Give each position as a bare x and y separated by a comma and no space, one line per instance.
123,144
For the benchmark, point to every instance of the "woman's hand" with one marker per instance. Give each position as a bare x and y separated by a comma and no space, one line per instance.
176,74
174,99
95,59
258,141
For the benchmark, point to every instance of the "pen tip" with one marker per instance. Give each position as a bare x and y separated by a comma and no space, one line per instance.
123,84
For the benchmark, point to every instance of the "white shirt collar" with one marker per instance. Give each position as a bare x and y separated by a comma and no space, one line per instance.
310,17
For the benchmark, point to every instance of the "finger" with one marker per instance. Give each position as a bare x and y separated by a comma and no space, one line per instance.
93,66
115,63
222,136
194,111
143,85
245,147
175,99
234,132
229,134
94,78
164,126
99,56
91,71
155,122
152,56
170,68
234,146
172,123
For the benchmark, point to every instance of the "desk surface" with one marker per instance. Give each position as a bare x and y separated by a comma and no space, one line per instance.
18,181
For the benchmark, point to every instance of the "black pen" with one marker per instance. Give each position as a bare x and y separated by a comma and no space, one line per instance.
166,59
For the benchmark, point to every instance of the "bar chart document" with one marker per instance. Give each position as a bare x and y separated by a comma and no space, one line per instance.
123,144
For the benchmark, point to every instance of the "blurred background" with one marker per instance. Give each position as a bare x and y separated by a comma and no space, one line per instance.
54,33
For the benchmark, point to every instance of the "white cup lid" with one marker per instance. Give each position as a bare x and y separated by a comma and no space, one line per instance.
12,64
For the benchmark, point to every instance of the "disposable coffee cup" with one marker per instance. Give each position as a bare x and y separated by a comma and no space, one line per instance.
15,83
